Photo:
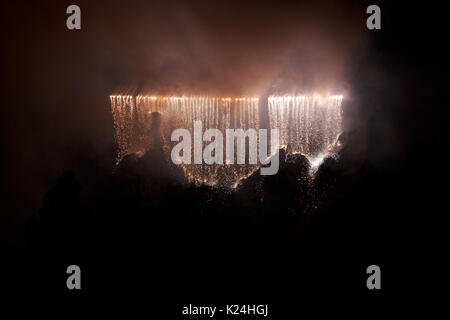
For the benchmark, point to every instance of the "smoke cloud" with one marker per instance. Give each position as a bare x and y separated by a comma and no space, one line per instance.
56,113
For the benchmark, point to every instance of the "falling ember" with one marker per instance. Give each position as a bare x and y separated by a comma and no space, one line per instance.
309,125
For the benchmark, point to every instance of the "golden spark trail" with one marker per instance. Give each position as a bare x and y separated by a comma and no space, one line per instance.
309,125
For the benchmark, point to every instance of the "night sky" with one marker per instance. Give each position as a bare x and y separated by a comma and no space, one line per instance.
55,108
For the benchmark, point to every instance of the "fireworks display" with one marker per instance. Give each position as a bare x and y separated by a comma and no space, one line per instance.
307,124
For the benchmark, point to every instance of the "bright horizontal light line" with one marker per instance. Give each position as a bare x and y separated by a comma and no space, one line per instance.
336,97
271,98
303,97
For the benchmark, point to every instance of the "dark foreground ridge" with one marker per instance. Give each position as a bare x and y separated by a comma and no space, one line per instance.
144,227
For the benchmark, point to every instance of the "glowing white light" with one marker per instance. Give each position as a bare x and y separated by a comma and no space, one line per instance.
316,161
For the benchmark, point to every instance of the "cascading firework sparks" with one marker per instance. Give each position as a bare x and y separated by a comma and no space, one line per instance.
309,125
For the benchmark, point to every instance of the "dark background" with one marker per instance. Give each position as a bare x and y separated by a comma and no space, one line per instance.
55,118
